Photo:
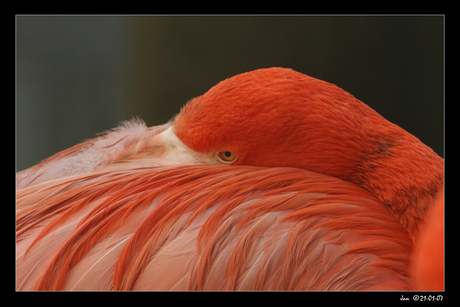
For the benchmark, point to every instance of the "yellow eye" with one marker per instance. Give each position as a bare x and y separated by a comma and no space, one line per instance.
226,157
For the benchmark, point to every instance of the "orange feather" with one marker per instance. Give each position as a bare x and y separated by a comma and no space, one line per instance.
216,231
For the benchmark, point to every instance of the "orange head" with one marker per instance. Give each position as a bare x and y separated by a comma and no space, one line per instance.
279,117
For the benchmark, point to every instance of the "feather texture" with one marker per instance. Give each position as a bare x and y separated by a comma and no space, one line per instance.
207,227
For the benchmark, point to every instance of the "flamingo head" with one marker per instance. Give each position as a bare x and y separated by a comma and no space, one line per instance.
278,117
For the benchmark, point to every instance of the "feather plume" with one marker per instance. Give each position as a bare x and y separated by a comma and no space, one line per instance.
128,138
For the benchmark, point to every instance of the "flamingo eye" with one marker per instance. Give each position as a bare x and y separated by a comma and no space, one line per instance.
226,157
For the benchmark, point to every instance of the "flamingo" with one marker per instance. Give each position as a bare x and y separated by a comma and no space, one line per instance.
271,180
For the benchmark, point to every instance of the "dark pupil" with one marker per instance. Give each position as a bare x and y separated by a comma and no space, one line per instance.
227,154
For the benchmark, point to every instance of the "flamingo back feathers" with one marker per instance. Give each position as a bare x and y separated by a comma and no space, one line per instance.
208,227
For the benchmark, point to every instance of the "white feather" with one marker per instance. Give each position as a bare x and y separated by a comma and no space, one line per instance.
102,151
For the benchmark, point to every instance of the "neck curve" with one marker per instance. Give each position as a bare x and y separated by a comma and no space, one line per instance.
405,174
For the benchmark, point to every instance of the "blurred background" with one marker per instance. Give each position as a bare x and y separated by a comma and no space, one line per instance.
81,75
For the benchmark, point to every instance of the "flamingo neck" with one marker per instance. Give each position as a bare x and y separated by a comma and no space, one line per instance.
405,175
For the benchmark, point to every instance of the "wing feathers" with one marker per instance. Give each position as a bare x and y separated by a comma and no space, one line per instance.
206,227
